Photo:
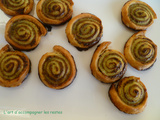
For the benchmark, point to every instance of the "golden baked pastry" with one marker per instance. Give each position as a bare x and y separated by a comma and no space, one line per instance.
54,12
108,65
23,32
57,69
16,7
129,95
84,31
14,67
137,15
140,51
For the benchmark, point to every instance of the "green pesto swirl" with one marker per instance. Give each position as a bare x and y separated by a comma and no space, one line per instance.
24,32
140,14
131,91
16,5
87,31
56,69
143,50
56,9
111,64
12,65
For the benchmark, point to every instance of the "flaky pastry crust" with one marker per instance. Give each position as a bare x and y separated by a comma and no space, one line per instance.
12,7
57,69
14,67
129,95
107,65
140,51
137,15
24,32
54,12
84,31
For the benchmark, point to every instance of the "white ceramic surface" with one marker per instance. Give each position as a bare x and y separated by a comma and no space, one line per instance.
86,98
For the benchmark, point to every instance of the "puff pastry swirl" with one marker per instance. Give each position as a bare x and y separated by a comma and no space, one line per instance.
137,15
14,67
84,31
54,12
16,7
108,65
129,95
140,51
57,69
23,32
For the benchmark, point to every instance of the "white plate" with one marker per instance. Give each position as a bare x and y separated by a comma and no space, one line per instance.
86,98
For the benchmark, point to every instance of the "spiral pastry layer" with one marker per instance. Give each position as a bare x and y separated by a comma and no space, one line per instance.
24,32
57,69
140,51
14,67
84,31
129,95
16,7
107,65
137,15
54,12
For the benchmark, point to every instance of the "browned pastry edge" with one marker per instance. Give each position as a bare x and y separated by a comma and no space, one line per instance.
17,81
65,53
130,58
16,46
129,28
126,20
70,36
94,68
49,21
26,10
116,100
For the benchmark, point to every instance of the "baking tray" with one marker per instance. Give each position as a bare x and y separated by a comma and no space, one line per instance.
86,98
